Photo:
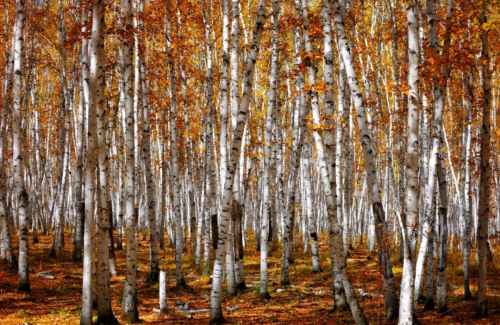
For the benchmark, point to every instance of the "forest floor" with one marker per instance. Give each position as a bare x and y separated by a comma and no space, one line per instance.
307,301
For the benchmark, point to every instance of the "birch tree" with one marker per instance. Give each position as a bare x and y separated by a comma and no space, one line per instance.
18,153
439,87
267,162
7,251
409,227
153,273
130,299
390,297
485,168
58,242
89,228
248,77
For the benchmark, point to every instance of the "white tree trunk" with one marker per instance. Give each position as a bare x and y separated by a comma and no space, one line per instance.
466,231
266,208
215,297
89,230
18,154
153,272
334,152
439,93
323,172
406,313
58,241
97,106
390,297
7,250
129,303
163,291
173,147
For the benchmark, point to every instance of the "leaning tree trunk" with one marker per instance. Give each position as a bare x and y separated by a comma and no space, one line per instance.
335,230
484,186
226,199
334,153
390,296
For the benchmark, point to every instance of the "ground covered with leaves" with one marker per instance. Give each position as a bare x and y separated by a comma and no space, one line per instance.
307,301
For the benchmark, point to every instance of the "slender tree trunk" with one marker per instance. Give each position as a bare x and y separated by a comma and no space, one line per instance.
174,162
485,169
238,207
215,298
130,300
58,242
390,296
466,233
190,180
150,215
18,154
335,230
442,305
409,230
97,111
439,85
82,108
298,136
266,209
7,249
89,230
334,152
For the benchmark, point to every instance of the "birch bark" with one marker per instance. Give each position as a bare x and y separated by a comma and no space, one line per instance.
17,149
335,230
58,242
390,297
224,132
266,208
466,242
82,109
129,303
154,270
89,229
334,152
299,123
7,249
97,112
439,85
215,297
173,148
406,312
442,233
485,168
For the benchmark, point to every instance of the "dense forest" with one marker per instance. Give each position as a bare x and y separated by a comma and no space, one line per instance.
157,156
